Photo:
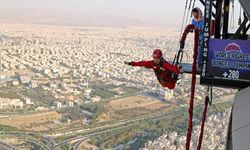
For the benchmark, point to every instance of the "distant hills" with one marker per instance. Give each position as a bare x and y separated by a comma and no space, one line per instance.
59,18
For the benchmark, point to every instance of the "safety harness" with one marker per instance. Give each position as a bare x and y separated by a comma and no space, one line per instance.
159,71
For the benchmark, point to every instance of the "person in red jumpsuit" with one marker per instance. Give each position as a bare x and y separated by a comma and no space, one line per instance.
165,72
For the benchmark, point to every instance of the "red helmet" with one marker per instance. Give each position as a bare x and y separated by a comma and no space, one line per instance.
157,54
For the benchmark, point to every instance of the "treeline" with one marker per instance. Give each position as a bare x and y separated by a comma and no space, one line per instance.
78,112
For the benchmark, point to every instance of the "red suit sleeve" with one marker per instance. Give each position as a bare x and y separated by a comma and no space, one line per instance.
147,64
170,67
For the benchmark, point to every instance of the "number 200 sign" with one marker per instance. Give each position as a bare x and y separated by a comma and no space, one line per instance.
232,74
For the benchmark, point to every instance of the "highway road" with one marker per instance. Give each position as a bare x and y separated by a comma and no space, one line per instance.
41,145
88,135
27,136
78,144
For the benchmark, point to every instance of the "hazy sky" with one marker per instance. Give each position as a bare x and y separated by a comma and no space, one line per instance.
162,12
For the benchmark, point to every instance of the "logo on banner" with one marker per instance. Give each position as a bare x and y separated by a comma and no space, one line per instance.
233,47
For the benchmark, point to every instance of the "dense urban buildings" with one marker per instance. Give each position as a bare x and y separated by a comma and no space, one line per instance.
67,72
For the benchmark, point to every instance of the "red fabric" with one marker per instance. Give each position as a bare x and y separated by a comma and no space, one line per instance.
212,27
166,68
204,114
169,85
191,101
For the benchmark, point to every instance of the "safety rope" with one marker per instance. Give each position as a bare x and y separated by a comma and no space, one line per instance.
193,5
191,101
191,12
232,15
182,24
179,57
183,19
204,114
239,21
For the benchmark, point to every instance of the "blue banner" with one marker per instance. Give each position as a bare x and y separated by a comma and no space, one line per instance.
229,59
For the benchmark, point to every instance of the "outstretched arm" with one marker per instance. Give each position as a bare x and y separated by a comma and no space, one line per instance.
147,64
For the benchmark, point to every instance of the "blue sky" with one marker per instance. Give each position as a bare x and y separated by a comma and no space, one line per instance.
167,12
